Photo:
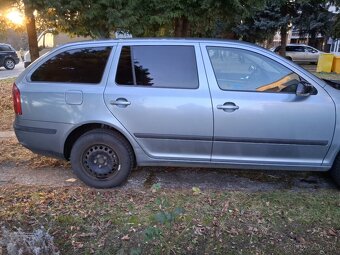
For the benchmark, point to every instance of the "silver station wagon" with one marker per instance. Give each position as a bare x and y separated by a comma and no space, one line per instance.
108,106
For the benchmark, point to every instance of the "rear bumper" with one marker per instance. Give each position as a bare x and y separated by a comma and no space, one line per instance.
45,138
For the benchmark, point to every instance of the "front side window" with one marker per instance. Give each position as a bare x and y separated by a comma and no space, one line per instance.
84,65
243,70
310,50
158,66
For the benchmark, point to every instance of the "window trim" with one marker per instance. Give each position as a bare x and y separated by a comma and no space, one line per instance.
120,47
63,49
257,53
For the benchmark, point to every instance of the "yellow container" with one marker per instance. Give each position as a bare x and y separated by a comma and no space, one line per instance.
325,63
336,64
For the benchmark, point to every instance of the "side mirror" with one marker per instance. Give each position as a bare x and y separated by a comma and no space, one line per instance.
304,89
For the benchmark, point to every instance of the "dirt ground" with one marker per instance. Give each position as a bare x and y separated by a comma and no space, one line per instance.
20,166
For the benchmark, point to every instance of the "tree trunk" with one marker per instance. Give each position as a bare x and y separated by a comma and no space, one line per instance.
181,27
283,33
31,31
312,39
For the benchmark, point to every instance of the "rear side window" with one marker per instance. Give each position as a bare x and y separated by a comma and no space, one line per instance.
295,48
84,65
158,66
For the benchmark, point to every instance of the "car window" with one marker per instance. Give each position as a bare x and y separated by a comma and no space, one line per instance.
310,50
295,48
243,70
158,66
5,48
84,65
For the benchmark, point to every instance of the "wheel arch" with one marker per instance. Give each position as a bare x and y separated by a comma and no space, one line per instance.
86,127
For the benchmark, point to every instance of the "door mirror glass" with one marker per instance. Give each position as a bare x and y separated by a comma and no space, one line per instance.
304,89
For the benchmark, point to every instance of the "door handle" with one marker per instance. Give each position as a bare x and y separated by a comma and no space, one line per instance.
228,107
120,102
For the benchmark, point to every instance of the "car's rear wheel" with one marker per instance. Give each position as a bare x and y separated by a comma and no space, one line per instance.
9,64
102,159
289,58
335,171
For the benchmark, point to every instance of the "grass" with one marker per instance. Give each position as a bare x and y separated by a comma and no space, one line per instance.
86,221
328,76
14,154
165,221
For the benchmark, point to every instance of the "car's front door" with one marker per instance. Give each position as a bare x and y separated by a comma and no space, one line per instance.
258,118
160,95
312,55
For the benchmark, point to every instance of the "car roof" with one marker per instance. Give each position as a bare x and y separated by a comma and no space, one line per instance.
296,44
164,40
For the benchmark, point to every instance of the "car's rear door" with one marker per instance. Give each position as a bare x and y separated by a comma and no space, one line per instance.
159,93
258,118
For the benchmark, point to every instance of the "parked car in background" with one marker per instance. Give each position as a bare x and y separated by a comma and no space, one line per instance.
108,106
48,40
8,56
300,53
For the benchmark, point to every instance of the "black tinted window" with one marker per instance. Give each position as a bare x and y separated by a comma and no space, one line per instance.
5,48
76,66
295,48
158,66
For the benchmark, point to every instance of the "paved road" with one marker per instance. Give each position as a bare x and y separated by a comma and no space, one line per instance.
4,74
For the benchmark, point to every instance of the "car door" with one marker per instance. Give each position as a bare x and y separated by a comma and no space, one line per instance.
258,118
159,93
312,55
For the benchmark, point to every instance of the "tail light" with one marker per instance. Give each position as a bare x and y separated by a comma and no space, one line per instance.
16,100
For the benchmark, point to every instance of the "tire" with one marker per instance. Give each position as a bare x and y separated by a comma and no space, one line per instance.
102,159
9,63
335,171
289,58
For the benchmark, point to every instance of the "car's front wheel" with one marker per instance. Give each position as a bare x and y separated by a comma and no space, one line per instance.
9,64
102,159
